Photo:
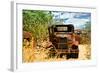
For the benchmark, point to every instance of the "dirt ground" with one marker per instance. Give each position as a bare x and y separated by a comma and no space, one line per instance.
84,52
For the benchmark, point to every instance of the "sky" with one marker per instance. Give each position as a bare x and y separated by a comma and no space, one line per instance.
78,19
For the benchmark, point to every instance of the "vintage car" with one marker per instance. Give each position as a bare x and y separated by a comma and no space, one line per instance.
64,41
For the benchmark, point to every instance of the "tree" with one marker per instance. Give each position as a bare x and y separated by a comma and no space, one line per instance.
88,26
86,36
36,22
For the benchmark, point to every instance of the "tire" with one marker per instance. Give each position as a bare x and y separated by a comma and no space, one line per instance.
68,56
74,55
61,55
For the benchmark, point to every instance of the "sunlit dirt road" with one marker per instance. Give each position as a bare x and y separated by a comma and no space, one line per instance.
84,52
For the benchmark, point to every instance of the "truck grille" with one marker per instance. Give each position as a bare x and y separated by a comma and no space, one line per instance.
61,43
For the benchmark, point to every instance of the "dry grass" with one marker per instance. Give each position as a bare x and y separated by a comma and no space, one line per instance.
28,51
41,54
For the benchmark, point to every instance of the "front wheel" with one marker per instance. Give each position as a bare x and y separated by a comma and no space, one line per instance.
68,56
74,52
74,55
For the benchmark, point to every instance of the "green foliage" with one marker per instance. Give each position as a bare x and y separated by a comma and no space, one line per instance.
86,35
88,26
36,22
